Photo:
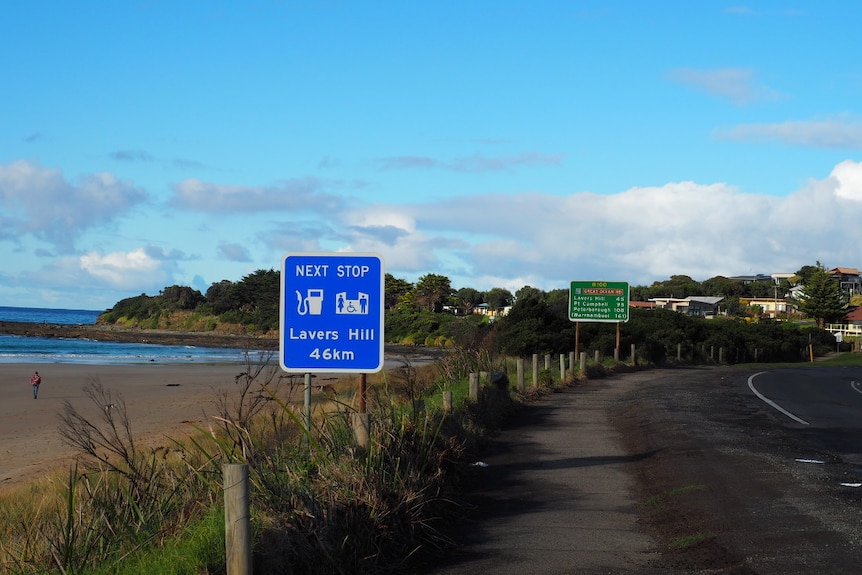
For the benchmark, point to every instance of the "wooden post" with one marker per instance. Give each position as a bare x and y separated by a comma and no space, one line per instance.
237,519
361,429
618,338
634,357
679,352
447,400
474,386
583,361
547,361
572,360
520,367
597,356
535,370
307,408
362,392
562,368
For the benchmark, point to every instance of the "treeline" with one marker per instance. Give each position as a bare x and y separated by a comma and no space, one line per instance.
431,312
249,305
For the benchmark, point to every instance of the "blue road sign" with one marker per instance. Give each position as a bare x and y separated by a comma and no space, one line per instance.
332,313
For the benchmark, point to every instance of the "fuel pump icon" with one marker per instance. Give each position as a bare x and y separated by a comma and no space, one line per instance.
311,304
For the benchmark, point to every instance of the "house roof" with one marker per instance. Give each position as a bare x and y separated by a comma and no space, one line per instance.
845,271
854,314
647,304
712,300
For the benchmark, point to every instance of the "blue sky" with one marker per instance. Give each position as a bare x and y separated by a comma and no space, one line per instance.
500,143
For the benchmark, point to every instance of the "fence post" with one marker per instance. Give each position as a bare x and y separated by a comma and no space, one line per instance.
597,356
547,361
447,400
237,519
474,386
572,360
583,361
679,352
361,428
520,366
562,368
634,357
535,370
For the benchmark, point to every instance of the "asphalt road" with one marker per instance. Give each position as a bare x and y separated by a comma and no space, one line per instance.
677,471
825,398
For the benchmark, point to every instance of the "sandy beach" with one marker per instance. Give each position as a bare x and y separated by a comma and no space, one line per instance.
163,400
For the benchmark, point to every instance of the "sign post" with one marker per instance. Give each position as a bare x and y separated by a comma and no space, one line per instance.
331,313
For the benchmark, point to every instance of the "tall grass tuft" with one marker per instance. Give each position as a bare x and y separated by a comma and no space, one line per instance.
320,504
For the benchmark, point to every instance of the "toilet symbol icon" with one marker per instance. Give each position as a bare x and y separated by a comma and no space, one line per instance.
355,306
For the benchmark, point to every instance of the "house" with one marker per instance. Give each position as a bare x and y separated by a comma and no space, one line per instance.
697,306
778,276
760,278
491,312
770,306
850,279
642,304
850,324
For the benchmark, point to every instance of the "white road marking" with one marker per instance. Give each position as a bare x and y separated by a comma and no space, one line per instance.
772,403
856,386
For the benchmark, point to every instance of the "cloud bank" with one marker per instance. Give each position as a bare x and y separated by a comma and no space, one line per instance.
638,235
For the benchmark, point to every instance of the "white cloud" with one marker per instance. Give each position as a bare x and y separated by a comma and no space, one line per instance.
736,84
128,270
41,202
295,194
848,175
638,235
234,252
835,133
476,163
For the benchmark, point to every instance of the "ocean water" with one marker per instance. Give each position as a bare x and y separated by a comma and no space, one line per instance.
47,315
20,349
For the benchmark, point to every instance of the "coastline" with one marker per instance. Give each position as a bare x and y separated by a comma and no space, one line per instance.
164,401
135,335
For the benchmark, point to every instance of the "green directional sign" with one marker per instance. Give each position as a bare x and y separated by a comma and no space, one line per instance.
599,301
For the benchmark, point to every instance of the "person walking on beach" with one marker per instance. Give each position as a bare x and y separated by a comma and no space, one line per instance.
35,381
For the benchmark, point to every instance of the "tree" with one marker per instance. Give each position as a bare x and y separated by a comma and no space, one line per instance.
527,291
468,298
497,298
182,297
679,286
433,291
822,297
717,286
805,272
220,296
395,289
